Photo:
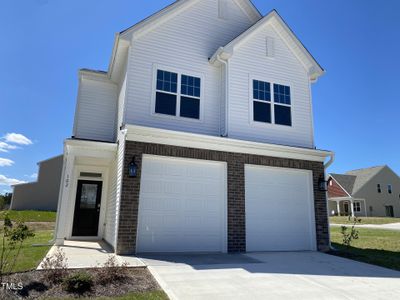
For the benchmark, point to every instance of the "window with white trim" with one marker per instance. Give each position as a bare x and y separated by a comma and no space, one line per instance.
177,95
271,107
378,186
357,206
389,188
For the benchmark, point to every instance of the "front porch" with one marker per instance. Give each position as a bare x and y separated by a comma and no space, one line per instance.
347,206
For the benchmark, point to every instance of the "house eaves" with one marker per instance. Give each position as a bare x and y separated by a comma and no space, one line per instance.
312,67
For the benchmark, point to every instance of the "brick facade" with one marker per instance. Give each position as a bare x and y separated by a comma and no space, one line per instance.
126,240
335,190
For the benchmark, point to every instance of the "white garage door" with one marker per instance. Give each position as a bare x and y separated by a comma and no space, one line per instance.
182,206
279,209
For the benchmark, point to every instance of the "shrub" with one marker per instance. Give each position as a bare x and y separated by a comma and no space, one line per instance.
348,237
112,271
12,237
55,267
78,283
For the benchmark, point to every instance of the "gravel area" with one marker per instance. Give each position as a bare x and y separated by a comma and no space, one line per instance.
138,280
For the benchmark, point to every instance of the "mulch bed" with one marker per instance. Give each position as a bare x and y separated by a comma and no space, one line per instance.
138,280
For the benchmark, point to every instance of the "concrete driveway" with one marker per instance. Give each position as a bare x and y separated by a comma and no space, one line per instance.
290,275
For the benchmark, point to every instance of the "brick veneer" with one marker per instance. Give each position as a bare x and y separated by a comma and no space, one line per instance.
126,240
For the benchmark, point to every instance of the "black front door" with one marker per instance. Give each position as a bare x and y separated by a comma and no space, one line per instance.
87,208
389,211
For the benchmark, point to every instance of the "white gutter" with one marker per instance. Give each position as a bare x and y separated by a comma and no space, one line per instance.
326,166
226,64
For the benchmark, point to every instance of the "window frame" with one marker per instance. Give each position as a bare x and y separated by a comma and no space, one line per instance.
390,189
272,103
178,94
358,209
379,188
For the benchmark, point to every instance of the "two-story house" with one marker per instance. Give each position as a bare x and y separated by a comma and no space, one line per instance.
369,192
198,138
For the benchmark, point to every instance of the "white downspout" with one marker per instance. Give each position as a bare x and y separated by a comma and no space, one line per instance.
326,166
226,64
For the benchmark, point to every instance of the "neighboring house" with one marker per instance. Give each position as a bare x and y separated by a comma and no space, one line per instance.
42,194
198,138
372,192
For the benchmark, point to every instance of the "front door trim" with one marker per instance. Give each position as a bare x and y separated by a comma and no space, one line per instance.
95,209
74,186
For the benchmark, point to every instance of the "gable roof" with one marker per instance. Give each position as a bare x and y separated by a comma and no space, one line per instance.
364,176
175,8
313,68
345,181
123,38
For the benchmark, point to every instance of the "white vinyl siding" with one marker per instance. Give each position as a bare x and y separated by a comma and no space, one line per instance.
250,62
95,116
173,45
115,186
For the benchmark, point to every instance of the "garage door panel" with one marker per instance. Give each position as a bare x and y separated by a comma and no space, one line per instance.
279,209
189,207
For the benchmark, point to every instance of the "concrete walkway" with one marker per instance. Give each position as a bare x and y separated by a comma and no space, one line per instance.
391,226
297,275
81,254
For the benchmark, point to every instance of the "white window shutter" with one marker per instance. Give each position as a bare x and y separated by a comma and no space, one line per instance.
270,46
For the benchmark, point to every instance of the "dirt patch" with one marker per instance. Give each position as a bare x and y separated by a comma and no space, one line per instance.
138,280
37,226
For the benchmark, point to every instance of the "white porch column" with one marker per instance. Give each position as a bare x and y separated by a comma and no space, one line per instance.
61,233
365,208
338,207
352,207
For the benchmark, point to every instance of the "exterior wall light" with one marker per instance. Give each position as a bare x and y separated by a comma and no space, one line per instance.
133,168
322,184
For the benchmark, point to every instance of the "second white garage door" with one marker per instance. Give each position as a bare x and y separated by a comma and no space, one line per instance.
279,209
182,206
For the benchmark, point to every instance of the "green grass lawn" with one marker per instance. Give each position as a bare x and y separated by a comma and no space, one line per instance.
155,295
29,215
374,246
30,256
364,220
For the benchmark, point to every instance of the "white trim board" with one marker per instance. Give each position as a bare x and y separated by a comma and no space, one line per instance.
199,141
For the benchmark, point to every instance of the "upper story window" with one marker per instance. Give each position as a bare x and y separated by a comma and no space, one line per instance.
389,188
271,107
173,101
379,188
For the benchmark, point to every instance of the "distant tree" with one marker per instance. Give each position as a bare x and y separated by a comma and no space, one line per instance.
5,200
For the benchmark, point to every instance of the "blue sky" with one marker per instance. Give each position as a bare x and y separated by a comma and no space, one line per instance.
45,42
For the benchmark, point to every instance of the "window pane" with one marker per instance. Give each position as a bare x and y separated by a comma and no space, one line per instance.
190,86
282,94
167,81
283,115
262,112
165,104
261,90
190,108
88,196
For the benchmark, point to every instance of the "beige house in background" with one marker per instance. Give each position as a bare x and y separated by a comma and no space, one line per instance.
372,192
42,194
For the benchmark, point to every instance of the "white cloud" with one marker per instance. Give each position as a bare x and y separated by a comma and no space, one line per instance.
9,181
17,138
4,147
4,162
34,175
